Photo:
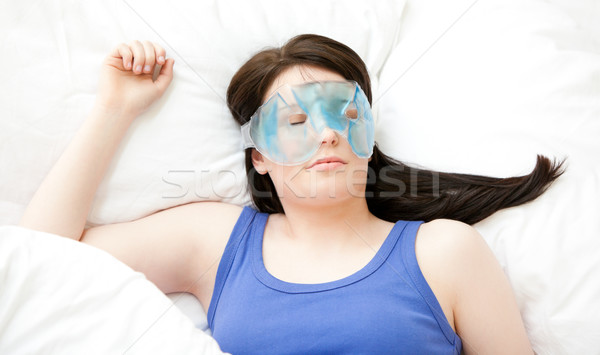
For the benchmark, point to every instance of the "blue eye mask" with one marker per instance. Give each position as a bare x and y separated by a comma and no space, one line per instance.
287,129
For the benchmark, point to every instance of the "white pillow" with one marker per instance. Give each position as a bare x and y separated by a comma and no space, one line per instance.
482,87
59,296
187,147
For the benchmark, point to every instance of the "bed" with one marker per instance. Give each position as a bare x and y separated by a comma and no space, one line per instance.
465,86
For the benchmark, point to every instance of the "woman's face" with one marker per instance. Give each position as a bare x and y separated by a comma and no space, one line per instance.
334,173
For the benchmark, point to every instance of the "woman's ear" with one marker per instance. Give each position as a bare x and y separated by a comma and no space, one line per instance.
259,162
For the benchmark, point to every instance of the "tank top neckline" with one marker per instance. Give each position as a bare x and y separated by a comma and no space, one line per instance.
265,277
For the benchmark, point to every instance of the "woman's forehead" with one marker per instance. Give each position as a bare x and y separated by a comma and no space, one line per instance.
300,75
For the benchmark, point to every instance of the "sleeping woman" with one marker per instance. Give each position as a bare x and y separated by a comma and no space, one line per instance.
345,250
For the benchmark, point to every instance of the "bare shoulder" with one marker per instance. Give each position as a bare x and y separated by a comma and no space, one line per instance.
451,248
446,250
471,287
449,238
449,229
210,225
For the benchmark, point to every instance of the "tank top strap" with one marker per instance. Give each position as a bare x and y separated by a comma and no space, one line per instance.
409,260
240,230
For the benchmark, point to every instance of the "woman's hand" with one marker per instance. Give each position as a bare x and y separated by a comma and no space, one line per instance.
126,84
63,201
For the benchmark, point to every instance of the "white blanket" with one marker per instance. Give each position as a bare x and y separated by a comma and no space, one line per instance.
58,296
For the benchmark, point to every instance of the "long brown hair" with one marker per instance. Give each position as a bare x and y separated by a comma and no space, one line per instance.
394,191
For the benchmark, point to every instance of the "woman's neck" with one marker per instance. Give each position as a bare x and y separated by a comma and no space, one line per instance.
331,223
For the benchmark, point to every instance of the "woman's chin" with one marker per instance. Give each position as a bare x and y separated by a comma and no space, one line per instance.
324,194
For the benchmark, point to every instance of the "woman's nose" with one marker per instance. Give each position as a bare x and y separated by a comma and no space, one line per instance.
329,136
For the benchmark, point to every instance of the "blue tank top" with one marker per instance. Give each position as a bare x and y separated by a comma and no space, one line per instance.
386,307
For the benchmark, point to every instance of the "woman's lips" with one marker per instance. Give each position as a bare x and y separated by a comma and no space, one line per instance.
328,163
327,166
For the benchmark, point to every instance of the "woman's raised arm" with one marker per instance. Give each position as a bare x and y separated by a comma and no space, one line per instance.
126,89
179,248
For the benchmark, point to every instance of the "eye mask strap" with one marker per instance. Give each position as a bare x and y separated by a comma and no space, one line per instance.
247,141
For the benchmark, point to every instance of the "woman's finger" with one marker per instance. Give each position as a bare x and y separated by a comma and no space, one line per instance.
139,57
126,54
161,54
166,75
123,53
150,56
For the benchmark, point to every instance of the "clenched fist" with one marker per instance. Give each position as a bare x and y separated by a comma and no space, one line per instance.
126,84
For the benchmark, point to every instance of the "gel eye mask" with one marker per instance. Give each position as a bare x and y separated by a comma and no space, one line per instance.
287,129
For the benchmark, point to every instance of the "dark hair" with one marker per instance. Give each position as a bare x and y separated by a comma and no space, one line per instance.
463,197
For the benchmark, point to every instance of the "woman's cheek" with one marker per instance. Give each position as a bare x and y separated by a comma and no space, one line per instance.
356,180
